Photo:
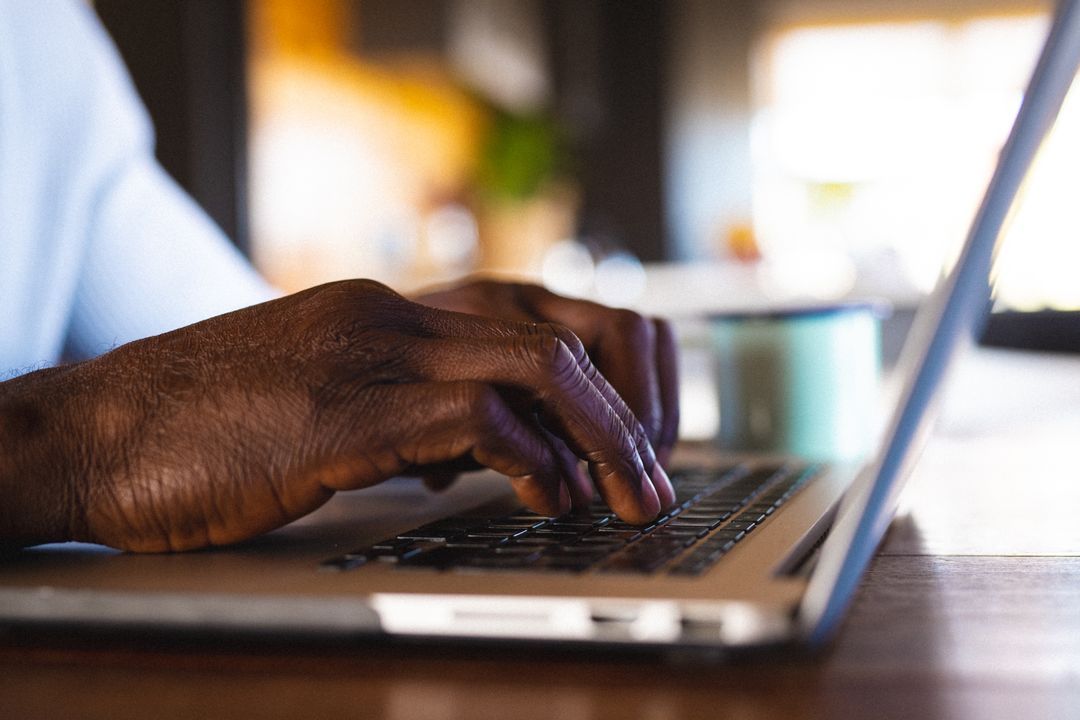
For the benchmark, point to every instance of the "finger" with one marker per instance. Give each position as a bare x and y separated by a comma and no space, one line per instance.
469,327
645,378
568,401
667,373
606,332
463,325
577,482
621,343
655,470
434,424
626,354
580,487
536,495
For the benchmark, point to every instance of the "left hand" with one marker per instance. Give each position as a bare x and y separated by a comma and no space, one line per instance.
636,354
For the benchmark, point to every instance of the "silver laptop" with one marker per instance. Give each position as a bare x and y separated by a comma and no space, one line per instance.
757,552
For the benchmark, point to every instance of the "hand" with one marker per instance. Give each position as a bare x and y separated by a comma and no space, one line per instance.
239,424
636,354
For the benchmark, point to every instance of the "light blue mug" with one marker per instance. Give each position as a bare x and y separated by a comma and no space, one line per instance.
802,381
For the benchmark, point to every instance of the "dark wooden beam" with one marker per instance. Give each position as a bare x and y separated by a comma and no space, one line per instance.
187,59
608,60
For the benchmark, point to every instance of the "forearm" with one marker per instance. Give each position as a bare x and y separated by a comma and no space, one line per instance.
42,458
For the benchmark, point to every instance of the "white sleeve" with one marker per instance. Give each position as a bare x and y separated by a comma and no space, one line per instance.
154,260
151,259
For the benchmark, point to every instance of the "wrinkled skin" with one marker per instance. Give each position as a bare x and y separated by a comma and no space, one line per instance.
231,427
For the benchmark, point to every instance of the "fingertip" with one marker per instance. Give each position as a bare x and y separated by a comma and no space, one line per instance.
665,491
565,503
542,492
575,479
650,500
580,486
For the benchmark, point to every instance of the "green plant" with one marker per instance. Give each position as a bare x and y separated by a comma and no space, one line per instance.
520,156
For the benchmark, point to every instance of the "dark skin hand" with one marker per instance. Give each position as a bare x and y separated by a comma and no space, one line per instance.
222,430
636,354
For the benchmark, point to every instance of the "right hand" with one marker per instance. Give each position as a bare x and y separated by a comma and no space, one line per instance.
231,427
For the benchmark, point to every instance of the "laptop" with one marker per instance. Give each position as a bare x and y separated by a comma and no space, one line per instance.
757,551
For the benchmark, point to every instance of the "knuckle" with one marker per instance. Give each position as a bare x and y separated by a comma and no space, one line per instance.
540,349
481,404
357,296
364,286
341,315
550,357
347,292
567,337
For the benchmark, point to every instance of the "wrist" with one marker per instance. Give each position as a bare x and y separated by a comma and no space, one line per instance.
42,459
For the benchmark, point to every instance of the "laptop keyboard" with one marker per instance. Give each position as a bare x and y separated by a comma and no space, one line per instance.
713,511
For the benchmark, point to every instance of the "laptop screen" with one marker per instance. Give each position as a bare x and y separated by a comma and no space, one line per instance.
949,320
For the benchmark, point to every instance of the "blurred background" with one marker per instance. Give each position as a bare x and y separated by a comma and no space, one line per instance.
783,149
679,156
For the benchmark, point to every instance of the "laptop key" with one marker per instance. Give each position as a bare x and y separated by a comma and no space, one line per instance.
700,560
750,516
496,534
503,524
520,550
570,526
685,522
709,508
524,514
725,535
602,541
620,525
744,525
467,542
680,532
535,541
623,532
623,537
553,535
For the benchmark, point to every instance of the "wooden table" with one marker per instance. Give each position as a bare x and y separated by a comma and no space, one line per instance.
971,610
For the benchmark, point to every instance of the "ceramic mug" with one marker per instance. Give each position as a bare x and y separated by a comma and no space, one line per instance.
802,381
